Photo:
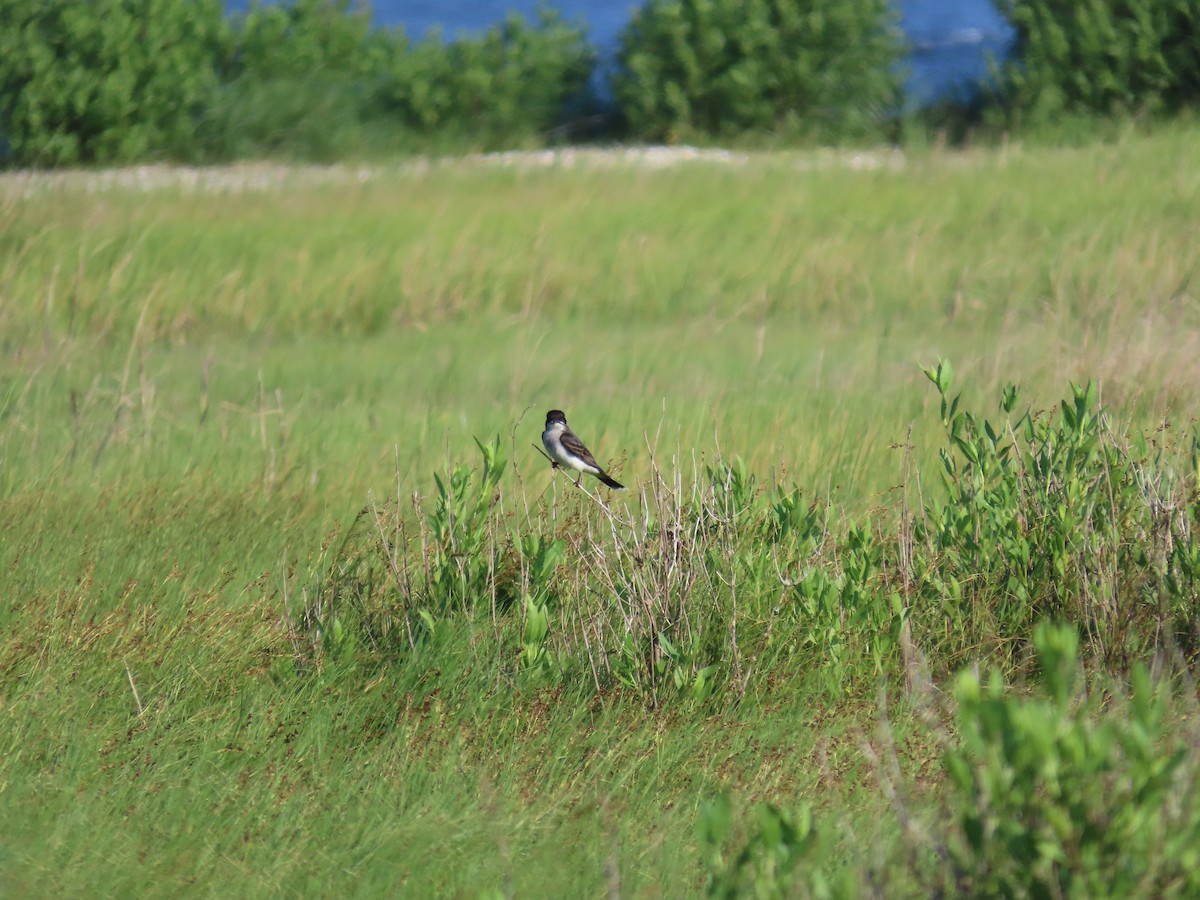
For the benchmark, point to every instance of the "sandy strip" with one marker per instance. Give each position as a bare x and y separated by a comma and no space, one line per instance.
259,176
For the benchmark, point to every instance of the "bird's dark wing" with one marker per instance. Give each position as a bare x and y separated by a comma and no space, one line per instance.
574,445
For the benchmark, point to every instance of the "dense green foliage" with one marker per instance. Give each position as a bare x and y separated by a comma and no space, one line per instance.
128,80
1050,794
305,37
314,79
725,67
1072,520
109,81
694,586
513,84
131,80
1056,796
270,618
1109,57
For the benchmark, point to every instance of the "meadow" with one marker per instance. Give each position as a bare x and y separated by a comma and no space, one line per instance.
275,623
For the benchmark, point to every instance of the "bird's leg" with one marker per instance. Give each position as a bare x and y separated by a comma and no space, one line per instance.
579,480
554,464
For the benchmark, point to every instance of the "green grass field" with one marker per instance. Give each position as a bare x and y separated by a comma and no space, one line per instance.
219,679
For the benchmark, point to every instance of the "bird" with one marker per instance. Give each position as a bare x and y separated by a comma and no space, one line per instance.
568,450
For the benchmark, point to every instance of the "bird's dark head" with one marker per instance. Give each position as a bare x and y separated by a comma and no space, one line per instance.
556,415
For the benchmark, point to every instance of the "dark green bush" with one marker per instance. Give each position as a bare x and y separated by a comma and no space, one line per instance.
513,83
306,38
105,81
301,80
314,80
1107,57
126,80
723,67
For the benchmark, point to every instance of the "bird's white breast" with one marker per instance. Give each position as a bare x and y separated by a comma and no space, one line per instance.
551,438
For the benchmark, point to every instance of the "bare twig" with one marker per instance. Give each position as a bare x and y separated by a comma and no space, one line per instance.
133,687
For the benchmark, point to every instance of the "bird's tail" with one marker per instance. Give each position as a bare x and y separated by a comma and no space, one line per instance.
610,481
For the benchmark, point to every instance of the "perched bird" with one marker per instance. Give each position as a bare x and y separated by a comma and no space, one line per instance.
568,450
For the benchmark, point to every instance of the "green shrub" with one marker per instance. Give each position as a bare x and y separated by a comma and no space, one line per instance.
1054,796
315,80
779,855
305,38
105,81
698,586
126,80
511,84
301,80
1105,57
722,67
1049,516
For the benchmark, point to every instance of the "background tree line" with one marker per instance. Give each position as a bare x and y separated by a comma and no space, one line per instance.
116,81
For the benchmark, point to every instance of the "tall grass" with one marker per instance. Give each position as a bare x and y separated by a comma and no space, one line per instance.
249,639
974,239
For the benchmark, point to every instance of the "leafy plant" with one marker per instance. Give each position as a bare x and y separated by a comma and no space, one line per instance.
1055,796
534,655
774,859
108,81
1103,58
514,82
1056,517
393,594
459,558
722,67
307,37
1041,515
125,80
301,79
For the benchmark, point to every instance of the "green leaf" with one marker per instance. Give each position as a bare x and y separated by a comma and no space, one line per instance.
715,821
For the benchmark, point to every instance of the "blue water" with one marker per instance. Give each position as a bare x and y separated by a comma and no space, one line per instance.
951,40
